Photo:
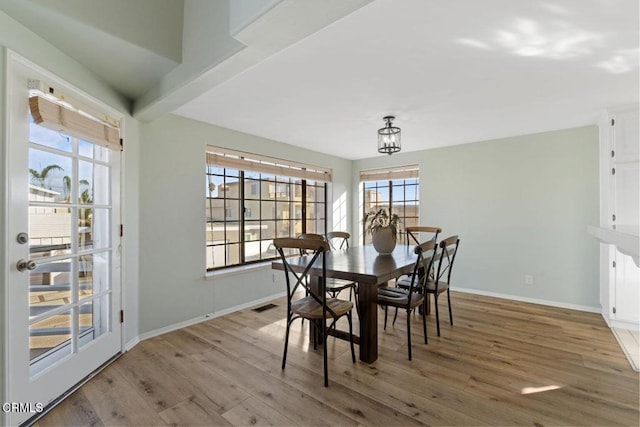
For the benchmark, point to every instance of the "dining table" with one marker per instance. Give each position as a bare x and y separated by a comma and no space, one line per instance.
361,264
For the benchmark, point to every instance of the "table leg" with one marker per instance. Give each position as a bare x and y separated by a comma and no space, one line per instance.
367,301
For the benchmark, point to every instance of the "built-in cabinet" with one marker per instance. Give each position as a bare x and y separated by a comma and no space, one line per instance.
619,217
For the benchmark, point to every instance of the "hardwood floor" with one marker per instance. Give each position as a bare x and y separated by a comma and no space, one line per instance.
502,363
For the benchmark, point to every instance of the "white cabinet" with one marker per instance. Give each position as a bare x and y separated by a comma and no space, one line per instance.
619,217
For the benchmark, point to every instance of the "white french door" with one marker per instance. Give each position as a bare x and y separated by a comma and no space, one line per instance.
63,293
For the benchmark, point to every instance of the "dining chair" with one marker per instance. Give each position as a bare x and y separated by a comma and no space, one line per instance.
314,305
338,240
309,236
413,233
414,297
442,280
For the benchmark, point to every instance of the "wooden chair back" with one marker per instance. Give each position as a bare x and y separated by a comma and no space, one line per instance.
448,251
314,249
313,236
413,232
338,240
426,257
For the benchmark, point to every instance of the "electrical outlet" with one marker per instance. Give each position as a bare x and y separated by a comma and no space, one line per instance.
528,279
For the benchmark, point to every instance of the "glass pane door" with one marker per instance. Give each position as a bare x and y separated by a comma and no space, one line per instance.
69,241
63,216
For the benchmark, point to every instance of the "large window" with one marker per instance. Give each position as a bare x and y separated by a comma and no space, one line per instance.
397,191
251,199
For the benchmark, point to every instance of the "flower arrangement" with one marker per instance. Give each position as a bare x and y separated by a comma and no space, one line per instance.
376,220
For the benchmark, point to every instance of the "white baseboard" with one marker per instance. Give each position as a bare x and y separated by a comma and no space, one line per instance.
250,304
175,326
170,328
132,343
530,300
619,324
208,316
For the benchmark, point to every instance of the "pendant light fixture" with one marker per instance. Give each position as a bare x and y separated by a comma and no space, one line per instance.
389,137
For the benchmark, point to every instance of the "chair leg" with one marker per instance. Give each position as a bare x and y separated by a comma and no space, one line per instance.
353,352
409,332
324,349
435,302
395,316
424,326
355,296
385,317
449,303
315,334
286,344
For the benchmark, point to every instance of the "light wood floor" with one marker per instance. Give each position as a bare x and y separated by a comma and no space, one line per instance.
502,363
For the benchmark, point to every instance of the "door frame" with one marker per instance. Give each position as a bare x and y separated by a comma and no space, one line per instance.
8,247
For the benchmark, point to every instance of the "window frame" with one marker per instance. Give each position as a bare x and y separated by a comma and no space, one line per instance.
247,180
400,177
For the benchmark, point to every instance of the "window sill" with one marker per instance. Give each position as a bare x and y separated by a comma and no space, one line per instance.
228,272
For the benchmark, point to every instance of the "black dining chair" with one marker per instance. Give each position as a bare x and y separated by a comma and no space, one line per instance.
338,240
442,280
413,238
415,296
315,305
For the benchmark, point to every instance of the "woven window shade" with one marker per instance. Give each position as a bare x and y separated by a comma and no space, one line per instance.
398,172
59,118
223,157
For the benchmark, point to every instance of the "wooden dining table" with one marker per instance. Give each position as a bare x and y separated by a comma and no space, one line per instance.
362,264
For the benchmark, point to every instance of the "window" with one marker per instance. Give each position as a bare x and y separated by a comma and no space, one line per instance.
277,198
396,190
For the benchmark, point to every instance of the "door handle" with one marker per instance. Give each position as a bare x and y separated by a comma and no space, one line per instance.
23,265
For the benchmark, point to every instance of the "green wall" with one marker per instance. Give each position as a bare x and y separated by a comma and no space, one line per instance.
520,205
173,287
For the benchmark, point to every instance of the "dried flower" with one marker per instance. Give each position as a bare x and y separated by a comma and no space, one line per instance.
375,220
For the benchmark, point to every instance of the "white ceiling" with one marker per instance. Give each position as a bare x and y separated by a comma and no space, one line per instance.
452,72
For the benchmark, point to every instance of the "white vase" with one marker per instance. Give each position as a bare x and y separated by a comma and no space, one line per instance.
383,241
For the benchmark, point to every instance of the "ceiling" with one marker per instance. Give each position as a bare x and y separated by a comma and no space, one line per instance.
451,72
118,40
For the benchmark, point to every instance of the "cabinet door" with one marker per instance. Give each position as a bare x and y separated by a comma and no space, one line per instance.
627,289
626,136
626,194
626,178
